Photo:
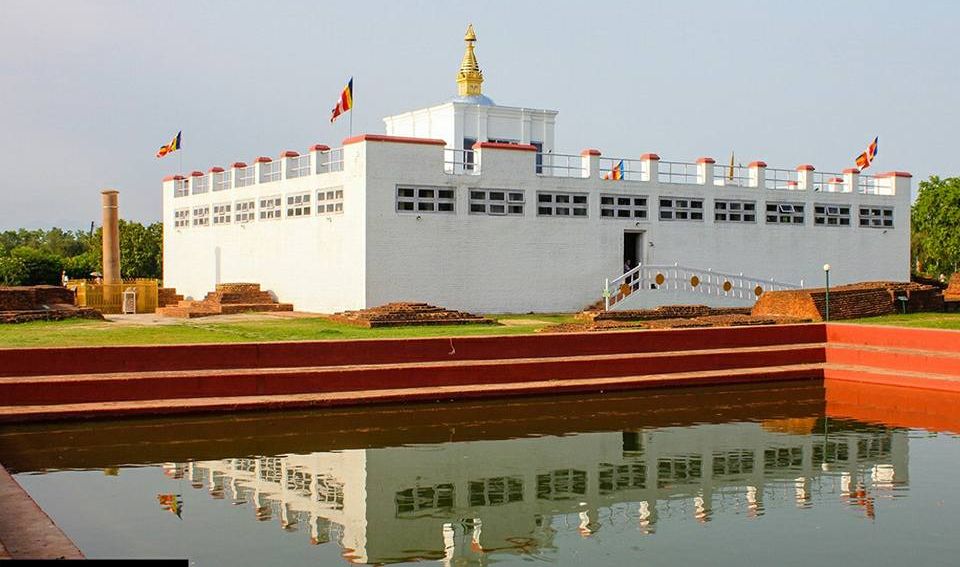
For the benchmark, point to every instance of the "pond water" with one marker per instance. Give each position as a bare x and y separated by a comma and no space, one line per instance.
719,476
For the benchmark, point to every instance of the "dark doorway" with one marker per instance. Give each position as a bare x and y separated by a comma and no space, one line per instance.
632,249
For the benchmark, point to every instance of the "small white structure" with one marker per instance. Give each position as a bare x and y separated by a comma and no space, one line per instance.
467,205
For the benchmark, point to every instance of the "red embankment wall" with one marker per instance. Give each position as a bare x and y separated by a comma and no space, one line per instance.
93,360
896,406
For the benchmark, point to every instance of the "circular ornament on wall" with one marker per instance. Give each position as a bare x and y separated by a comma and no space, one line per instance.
694,281
758,291
660,279
727,286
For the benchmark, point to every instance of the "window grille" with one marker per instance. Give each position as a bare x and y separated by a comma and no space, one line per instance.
561,204
201,216
181,218
298,166
876,217
623,207
298,205
270,208
735,211
417,199
330,201
496,202
496,491
785,213
221,213
831,215
681,208
181,187
244,211
244,177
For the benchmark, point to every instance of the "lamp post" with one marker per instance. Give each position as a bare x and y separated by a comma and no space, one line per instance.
826,271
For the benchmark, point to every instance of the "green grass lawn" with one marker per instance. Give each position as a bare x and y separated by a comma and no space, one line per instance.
928,320
79,332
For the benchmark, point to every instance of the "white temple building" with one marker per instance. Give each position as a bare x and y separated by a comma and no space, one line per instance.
469,205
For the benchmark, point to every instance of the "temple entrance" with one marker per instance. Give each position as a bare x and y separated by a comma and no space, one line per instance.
632,249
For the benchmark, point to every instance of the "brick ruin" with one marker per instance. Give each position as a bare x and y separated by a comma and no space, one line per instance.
226,299
854,301
20,304
406,314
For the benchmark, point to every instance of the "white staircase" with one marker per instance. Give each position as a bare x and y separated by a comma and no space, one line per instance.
652,285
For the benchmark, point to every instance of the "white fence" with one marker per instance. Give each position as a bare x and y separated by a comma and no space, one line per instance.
651,278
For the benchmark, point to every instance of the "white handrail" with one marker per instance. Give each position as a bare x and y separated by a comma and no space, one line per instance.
652,277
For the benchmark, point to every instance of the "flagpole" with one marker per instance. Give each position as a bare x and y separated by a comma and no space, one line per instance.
352,105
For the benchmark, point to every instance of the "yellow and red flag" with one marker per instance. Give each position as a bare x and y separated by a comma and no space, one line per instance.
173,146
866,158
615,173
345,102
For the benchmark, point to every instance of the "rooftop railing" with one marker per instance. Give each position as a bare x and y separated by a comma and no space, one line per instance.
460,162
589,164
678,172
562,165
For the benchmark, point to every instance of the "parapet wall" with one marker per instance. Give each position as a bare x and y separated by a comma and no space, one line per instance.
32,298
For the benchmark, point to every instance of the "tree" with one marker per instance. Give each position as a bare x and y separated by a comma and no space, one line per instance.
80,267
41,267
12,271
936,226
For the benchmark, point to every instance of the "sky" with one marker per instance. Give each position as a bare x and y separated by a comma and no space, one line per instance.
89,90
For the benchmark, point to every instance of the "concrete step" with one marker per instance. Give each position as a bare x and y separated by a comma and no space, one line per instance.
58,389
161,406
145,358
871,375
895,359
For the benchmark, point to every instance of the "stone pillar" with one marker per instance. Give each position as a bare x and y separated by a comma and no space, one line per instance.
705,171
805,177
318,161
651,167
851,180
111,236
590,162
285,163
758,174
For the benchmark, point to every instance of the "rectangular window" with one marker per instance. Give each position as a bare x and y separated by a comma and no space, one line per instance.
876,217
424,500
624,207
562,484
496,491
496,202
244,177
561,204
298,166
244,211
538,164
201,184
681,208
181,187
221,181
270,208
221,213
269,171
734,211
785,213
330,201
201,216
419,199
831,215
298,205
181,218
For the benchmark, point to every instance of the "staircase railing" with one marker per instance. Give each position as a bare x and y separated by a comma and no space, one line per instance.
705,281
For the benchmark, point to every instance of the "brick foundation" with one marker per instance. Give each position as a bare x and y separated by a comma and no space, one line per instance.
854,301
226,299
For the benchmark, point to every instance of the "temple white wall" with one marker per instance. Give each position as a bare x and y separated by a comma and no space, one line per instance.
372,253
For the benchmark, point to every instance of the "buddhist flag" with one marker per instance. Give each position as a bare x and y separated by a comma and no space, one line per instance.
730,174
616,173
866,158
173,146
345,103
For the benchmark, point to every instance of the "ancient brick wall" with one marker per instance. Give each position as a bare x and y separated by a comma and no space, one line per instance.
29,298
867,299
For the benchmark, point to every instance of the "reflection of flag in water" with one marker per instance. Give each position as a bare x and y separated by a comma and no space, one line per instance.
616,173
172,503
866,158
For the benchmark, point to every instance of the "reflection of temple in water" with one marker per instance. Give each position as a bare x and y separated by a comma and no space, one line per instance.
460,499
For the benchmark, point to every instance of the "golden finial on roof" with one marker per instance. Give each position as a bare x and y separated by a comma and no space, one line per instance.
469,78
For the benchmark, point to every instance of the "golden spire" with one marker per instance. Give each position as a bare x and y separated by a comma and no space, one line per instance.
469,78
